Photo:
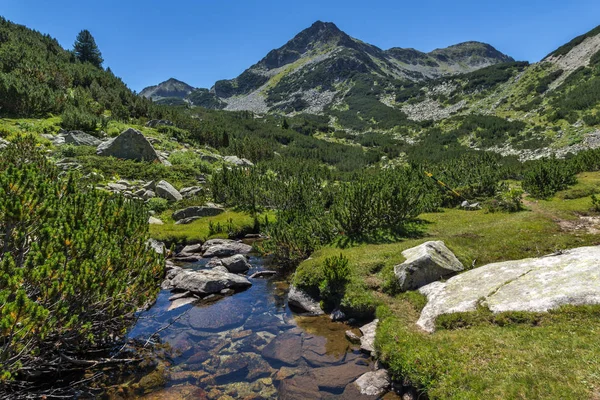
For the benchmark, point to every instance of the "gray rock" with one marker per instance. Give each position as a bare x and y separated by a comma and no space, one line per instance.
192,248
426,263
190,191
240,162
236,264
155,221
149,186
374,383
224,248
79,138
210,158
336,378
285,349
153,123
533,284
197,211
117,187
129,145
337,315
367,341
165,190
205,282
352,337
301,300
157,246
148,194
186,221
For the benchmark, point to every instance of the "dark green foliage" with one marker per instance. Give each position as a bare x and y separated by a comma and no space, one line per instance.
76,119
490,130
547,176
595,203
488,77
507,199
564,49
74,268
336,274
203,98
545,82
86,50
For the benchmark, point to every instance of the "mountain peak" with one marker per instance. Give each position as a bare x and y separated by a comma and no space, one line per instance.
170,88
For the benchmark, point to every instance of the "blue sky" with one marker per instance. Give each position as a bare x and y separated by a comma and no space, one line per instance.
201,41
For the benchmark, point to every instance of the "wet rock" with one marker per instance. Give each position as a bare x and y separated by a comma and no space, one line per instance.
224,248
265,322
79,138
299,388
224,314
337,315
374,383
233,368
252,343
179,392
192,249
352,337
197,211
205,282
130,145
166,191
198,357
284,349
241,334
314,352
301,300
236,264
257,367
180,302
187,376
367,341
426,263
335,379
263,274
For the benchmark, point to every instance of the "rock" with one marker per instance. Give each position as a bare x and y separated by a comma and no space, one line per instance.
180,302
352,337
149,186
426,263
155,221
367,341
130,145
374,383
153,123
236,264
157,246
224,248
79,138
117,187
197,212
210,158
192,248
337,315
190,191
301,300
316,354
299,388
186,221
240,162
165,190
285,349
336,378
210,281
148,194
263,274
227,313
533,285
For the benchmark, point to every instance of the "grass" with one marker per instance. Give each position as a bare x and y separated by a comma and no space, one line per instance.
232,222
477,355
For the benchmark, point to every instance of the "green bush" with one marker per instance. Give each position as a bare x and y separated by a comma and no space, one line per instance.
76,119
336,274
74,268
547,176
158,204
507,199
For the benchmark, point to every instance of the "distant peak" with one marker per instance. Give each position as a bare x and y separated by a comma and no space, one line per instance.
325,25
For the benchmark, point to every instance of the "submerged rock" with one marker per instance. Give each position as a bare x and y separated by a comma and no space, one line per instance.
336,378
301,300
533,284
227,313
426,263
285,349
130,145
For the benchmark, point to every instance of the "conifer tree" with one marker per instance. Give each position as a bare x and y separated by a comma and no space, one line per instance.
86,50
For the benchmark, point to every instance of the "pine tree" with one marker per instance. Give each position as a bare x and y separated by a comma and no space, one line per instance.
86,50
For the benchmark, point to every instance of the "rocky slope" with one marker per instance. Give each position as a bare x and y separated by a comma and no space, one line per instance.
171,88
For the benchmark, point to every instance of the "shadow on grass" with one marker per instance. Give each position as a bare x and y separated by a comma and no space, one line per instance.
413,230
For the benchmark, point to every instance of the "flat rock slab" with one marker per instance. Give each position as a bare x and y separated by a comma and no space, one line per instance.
206,282
285,349
426,263
533,284
224,248
224,314
335,379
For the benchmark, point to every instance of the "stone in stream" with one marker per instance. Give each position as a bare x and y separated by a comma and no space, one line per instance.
285,349
224,248
367,341
262,274
197,211
426,263
314,352
352,337
299,388
301,300
236,264
227,313
374,383
532,285
166,191
206,282
335,379
192,249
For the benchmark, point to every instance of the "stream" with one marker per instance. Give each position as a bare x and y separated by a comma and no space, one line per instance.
249,345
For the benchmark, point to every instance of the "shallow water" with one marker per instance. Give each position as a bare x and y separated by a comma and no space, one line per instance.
249,345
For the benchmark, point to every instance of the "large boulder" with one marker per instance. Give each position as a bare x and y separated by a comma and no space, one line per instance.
197,211
426,263
131,144
205,282
79,138
236,264
165,190
301,300
224,248
533,284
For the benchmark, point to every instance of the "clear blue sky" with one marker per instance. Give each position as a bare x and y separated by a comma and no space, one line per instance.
201,41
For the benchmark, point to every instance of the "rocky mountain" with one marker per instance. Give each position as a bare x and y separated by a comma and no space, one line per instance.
169,89
318,64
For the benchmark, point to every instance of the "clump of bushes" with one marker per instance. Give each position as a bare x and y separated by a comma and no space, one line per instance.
74,268
547,176
507,199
